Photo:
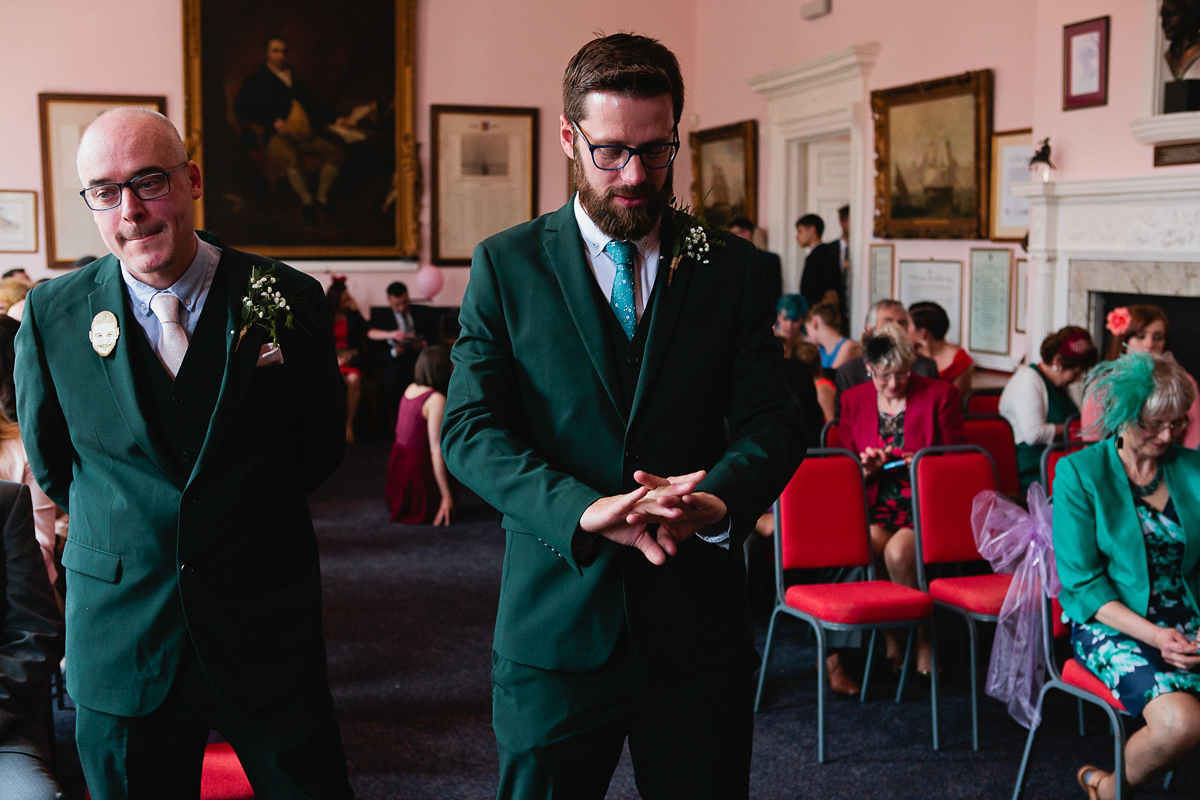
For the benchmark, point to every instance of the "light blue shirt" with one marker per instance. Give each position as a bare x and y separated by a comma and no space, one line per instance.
191,289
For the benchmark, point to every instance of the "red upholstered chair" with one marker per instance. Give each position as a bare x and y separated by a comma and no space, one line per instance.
993,433
830,436
945,480
1077,680
982,401
1050,458
222,777
1073,429
821,522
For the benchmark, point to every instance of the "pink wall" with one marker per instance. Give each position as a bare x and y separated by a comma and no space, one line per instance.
1095,142
482,52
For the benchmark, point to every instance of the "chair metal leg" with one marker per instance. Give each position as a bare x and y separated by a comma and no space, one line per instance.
1037,714
933,680
862,695
974,637
912,632
1082,733
762,671
822,689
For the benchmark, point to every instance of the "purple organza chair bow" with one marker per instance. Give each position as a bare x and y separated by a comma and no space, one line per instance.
1020,542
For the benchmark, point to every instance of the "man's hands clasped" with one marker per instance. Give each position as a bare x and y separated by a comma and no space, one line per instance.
656,516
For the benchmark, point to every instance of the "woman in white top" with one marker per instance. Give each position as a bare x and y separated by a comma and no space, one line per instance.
1035,400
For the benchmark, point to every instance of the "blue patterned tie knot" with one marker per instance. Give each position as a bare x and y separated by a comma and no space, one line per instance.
623,254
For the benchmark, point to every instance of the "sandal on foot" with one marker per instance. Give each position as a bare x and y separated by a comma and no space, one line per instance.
1089,778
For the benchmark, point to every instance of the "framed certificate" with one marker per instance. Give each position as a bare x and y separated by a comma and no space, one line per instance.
1011,151
991,274
1021,293
936,281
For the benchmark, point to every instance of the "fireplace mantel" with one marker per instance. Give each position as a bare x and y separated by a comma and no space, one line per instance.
1146,219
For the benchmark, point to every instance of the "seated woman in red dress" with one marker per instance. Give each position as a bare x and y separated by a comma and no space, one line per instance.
350,338
927,327
419,487
886,421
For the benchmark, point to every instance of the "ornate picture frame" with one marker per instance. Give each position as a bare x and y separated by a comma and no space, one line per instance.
70,231
725,172
485,175
932,158
327,169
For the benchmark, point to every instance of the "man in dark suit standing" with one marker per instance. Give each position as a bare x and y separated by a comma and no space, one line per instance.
619,396
398,334
771,264
822,268
184,434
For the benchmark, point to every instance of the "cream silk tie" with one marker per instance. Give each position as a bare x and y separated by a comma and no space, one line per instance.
173,341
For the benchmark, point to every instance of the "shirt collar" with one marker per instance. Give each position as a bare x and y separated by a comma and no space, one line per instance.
595,239
190,287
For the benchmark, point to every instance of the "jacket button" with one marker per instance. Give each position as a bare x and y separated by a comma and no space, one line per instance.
177,400
633,360
185,455
187,569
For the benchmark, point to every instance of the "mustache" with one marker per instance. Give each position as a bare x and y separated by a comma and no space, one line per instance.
140,231
639,190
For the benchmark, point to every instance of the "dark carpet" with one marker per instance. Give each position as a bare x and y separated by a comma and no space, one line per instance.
408,619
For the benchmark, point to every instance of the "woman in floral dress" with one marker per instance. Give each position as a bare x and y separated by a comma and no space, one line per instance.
1127,543
886,421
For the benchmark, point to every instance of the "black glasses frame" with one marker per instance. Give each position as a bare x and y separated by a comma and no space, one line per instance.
132,184
630,152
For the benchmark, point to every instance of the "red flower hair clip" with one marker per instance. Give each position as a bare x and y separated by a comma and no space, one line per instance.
1117,321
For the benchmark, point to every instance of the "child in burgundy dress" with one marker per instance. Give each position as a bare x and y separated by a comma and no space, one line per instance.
419,487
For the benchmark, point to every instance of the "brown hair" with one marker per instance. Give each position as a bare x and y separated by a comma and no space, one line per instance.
1140,317
1073,344
829,314
624,63
433,368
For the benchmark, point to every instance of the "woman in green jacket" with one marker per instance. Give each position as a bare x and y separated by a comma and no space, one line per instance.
1127,543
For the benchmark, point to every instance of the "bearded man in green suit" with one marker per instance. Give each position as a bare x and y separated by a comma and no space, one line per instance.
628,415
184,439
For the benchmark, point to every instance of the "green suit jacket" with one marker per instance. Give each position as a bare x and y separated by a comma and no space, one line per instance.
536,424
1098,541
224,555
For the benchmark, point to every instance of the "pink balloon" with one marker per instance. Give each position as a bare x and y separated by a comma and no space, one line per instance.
428,282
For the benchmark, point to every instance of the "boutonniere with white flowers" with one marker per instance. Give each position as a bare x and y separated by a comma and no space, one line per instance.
264,307
692,239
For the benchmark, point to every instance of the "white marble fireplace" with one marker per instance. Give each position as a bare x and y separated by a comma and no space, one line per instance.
1138,235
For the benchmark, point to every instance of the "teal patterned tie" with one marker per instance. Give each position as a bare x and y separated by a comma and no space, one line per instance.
622,292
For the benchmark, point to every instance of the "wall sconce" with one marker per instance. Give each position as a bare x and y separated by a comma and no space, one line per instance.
1040,166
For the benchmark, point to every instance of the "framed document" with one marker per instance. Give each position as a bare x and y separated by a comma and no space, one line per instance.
1021,294
484,176
18,221
991,274
883,257
1011,151
1085,64
935,281
70,231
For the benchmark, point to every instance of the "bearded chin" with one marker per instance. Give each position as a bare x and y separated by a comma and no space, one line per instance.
617,221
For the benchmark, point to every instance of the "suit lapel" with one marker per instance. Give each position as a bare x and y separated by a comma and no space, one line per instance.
564,252
239,364
109,295
665,311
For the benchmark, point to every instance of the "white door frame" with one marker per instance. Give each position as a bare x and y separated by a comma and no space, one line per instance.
816,99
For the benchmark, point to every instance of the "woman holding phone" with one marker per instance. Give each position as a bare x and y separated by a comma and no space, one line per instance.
886,421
